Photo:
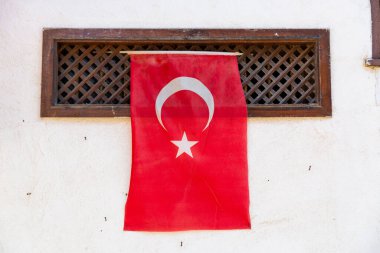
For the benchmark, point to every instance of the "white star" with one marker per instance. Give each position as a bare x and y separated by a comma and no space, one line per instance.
184,145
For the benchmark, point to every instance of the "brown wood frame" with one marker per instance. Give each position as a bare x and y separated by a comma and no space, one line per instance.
53,36
375,16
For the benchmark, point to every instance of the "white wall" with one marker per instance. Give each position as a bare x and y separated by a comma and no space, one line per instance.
76,183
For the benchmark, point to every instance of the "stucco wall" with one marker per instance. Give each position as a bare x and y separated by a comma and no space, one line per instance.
74,183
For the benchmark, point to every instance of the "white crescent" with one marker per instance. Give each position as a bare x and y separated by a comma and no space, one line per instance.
189,84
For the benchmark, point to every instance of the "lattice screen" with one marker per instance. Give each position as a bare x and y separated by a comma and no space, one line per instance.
271,74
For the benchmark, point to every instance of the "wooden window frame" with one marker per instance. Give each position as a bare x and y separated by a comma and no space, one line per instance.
375,16
53,36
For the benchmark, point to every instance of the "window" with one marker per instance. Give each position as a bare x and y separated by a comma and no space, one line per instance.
375,14
283,72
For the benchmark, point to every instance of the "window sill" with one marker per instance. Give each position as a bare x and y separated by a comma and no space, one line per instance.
372,62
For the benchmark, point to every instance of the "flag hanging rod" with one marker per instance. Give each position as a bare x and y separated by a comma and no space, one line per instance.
180,52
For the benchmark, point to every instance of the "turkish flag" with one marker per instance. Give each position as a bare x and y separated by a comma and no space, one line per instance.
189,144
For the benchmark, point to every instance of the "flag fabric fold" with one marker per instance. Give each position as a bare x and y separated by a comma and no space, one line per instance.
189,144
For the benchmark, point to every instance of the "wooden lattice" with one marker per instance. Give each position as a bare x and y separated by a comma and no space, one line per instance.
271,74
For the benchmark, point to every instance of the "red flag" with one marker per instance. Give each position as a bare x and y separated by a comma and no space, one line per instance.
189,144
